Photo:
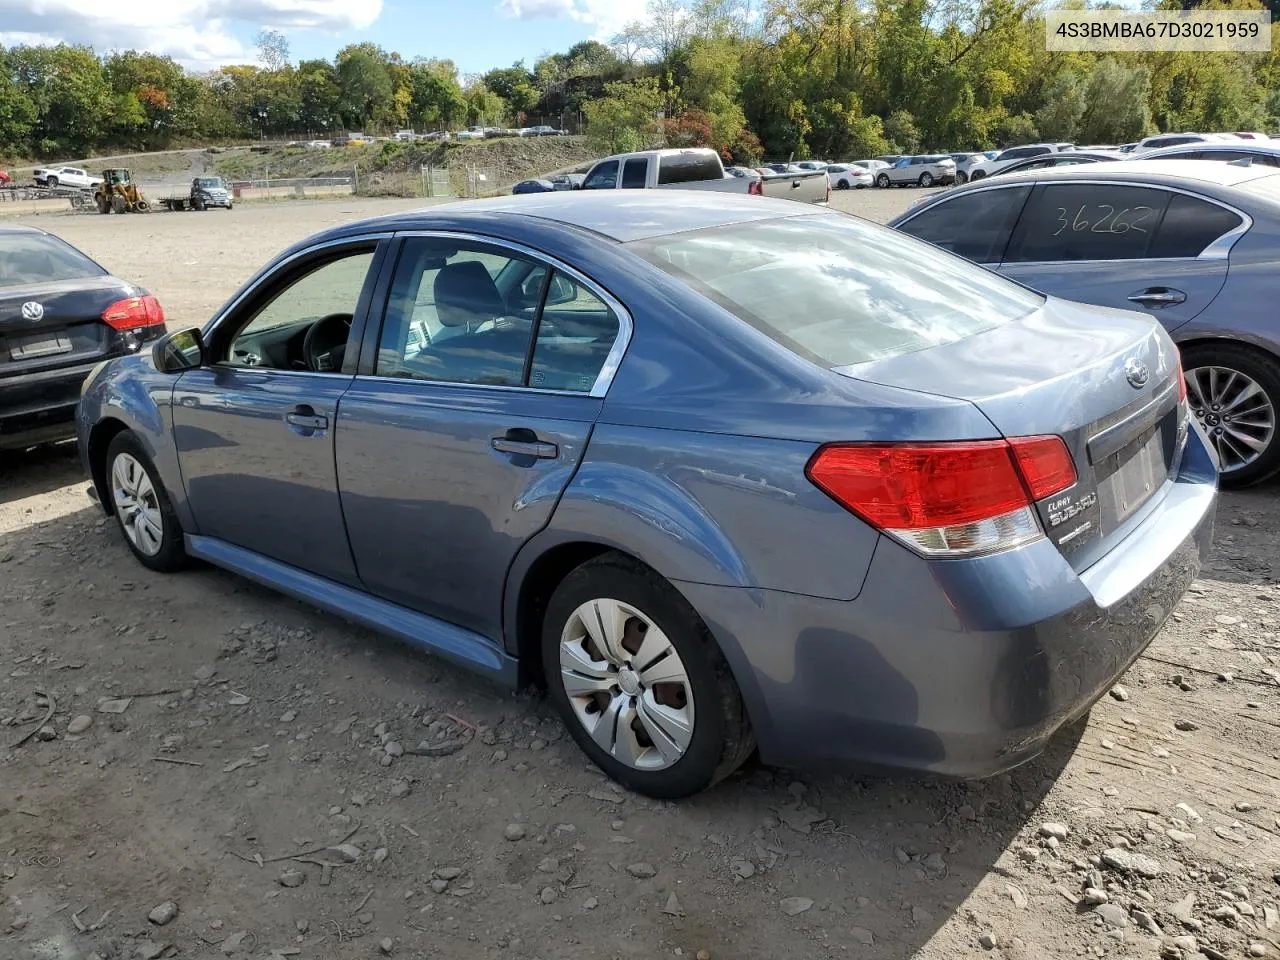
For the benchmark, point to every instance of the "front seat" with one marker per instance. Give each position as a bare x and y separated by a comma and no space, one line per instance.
467,300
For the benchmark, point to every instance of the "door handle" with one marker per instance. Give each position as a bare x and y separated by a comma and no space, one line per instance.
305,417
1156,297
537,449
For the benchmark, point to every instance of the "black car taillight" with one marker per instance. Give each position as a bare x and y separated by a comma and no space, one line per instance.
133,313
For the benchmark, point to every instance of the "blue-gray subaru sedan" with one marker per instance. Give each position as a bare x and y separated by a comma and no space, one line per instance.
722,472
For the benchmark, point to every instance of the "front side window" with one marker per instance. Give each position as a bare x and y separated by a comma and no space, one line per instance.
603,177
472,313
974,225
305,326
836,290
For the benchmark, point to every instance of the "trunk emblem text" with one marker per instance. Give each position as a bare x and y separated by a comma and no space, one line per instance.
1062,510
32,310
1136,372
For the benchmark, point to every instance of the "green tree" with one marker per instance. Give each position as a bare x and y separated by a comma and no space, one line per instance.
437,100
1117,103
319,96
70,94
901,132
364,84
626,117
484,107
17,113
1064,105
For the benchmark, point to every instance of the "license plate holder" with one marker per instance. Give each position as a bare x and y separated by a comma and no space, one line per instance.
41,345
1140,468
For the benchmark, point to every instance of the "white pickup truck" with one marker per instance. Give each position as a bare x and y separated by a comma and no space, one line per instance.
699,168
65,177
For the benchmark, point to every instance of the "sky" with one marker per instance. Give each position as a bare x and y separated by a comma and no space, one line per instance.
206,34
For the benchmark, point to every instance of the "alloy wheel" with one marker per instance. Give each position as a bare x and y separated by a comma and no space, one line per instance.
137,505
1235,412
926,180
962,177
626,684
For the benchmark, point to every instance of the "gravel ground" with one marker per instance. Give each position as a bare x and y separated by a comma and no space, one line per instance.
209,771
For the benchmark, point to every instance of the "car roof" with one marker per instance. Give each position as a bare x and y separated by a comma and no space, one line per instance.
619,215
1219,146
1155,171
8,228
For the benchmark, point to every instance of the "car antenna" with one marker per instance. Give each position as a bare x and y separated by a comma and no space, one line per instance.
1241,162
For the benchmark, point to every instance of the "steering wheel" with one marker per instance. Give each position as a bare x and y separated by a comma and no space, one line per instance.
326,343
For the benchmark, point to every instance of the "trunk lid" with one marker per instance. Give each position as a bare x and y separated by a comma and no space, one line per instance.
65,327
1077,372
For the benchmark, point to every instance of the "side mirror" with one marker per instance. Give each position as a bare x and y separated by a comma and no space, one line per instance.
179,351
562,290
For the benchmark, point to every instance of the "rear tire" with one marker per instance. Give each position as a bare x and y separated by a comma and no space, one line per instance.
882,181
926,180
842,184
118,205
638,658
103,206
962,177
142,507
977,175
1213,395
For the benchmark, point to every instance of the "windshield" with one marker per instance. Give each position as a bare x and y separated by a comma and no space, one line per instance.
838,290
209,183
38,258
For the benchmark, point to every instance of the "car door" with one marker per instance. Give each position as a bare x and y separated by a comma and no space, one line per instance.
254,427
468,418
1123,245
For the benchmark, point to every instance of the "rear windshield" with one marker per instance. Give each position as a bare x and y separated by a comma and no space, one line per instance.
684,167
1268,186
38,258
838,290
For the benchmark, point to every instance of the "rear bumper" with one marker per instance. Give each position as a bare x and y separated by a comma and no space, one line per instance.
963,668
40,407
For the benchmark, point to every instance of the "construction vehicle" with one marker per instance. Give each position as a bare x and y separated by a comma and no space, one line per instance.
119,194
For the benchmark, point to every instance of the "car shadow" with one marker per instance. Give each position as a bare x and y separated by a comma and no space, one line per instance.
39,470
882,862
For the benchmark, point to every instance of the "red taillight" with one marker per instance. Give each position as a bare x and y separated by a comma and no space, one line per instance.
755,188
134,312
947,498
1045,463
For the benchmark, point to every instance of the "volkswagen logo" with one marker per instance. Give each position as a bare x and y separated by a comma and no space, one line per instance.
32,310
1136,372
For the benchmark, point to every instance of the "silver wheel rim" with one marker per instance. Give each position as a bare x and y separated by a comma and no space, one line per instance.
926,180
137,505
1235,412
626,684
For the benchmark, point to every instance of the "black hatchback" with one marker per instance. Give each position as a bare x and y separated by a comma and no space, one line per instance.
61,314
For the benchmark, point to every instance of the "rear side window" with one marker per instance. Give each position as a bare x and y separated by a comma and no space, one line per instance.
974,225
38,258
634,173
685,167
1087,221
1190,225
836,290
603,177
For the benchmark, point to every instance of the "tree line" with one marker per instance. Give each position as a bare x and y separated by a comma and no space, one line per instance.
751,78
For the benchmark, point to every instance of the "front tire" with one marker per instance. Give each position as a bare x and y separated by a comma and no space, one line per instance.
962,177
882,181
1234,391
51,183
842,184
143,511
639,681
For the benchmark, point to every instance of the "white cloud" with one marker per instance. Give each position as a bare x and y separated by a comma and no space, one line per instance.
198,33
606,17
